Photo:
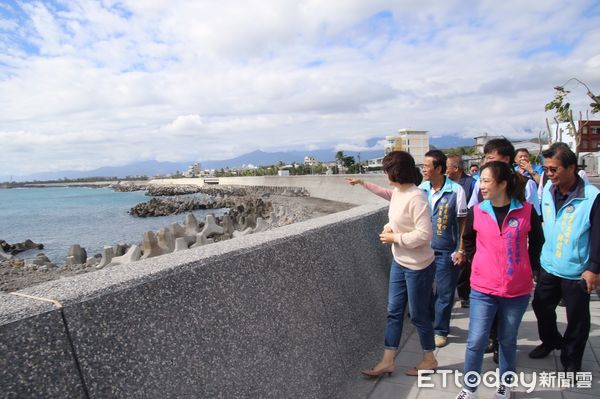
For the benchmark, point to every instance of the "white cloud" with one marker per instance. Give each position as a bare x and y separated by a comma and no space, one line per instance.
184,124
211,80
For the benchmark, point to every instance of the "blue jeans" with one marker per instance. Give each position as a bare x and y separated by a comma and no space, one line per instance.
483,309
446,276
414,287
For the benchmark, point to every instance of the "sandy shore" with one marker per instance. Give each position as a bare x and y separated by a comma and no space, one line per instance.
14,277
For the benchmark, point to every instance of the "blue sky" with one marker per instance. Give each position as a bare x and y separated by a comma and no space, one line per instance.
85,84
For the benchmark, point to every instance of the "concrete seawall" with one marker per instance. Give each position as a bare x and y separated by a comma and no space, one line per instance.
332,187
291,312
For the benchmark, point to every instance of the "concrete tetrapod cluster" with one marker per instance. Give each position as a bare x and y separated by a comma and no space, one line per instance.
194,233
249,216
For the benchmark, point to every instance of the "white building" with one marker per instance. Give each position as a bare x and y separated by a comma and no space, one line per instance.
415,142
480,141
193,170
310,161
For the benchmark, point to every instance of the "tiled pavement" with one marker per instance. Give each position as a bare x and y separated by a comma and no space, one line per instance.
451,357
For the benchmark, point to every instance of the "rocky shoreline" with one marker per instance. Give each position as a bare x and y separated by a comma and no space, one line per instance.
250,210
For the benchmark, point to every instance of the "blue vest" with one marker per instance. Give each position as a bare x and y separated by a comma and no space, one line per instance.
446,233
566,252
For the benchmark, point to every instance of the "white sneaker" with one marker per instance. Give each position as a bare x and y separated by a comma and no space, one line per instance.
440,341
466,394
503,392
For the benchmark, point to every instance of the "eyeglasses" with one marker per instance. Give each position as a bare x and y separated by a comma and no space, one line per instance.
551,169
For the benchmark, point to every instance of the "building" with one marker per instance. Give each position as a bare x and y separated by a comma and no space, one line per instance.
193,170
310,161
589,147
532,145
590,136
415,142
374,164
481,140
589,143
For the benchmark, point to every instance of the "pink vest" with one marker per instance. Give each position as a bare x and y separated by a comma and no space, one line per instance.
501,264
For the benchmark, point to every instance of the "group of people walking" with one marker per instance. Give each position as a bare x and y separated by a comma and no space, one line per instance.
483,236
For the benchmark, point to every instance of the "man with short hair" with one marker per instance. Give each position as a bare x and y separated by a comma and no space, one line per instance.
525,167
454,170
570,265
502,150
448,211
474,170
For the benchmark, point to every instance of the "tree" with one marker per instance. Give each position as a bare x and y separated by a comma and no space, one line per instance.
344,161
461,150
564,114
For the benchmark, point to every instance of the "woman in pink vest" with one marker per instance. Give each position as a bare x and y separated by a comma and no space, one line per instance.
503,235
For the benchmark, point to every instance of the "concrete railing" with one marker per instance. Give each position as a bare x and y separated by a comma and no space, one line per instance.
290,312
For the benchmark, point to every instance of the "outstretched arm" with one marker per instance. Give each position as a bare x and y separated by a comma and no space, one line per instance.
374,188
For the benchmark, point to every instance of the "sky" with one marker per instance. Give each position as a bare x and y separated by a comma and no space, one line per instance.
85,84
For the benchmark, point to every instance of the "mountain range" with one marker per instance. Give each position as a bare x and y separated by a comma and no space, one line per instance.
152,168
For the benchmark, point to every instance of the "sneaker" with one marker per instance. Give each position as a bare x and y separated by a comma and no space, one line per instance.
466,394
464,304
440,341
503,392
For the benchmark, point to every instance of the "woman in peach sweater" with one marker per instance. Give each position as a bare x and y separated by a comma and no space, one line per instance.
409,232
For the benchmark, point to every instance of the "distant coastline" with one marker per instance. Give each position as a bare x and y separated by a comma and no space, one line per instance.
91,184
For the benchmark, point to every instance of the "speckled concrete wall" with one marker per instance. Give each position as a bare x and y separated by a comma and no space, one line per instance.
291,312
36,358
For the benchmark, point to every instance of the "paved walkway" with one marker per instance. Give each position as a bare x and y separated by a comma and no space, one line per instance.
451,357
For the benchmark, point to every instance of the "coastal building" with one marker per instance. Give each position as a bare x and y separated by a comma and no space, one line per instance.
310,161
415,142
481,140
374,164
194,170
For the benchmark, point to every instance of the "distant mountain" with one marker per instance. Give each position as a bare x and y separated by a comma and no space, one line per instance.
257,158
270,158
451,142
144,168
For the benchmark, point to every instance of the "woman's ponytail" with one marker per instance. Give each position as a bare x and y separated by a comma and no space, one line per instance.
418,176
517,188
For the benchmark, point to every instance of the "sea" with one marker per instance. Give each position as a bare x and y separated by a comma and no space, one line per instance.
59,217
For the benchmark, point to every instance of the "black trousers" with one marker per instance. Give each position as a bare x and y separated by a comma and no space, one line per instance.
548,292
463,284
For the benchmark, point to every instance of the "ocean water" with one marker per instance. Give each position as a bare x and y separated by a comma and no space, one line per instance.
91,217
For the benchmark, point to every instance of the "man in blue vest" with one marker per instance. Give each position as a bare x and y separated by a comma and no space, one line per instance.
448,211
570,265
